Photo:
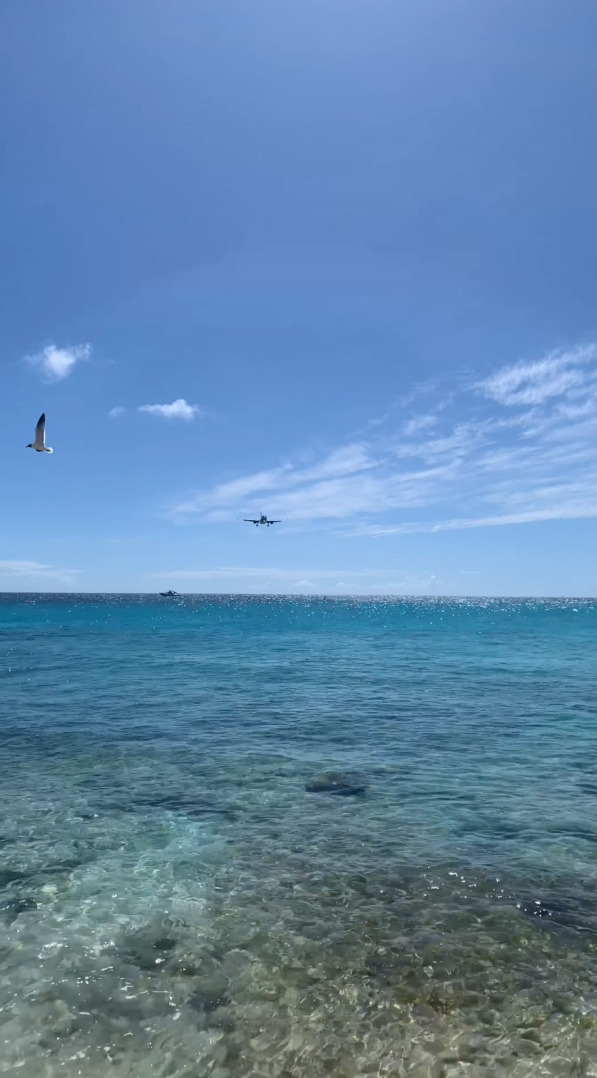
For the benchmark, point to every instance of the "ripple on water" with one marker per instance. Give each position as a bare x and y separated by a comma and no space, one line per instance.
174,901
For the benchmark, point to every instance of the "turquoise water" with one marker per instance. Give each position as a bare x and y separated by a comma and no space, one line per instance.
173,902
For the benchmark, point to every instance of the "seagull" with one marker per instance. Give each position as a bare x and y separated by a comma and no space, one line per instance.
40,437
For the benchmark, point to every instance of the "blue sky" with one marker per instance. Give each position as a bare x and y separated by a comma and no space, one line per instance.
333,260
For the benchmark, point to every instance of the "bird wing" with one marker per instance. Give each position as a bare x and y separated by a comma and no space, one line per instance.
40,430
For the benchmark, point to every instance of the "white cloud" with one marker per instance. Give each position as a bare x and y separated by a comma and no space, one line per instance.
56,364
346,461
341,485
418,424
115,412
572,511
179,409
300,581
455,466
227,493
578,511
36,571
536,382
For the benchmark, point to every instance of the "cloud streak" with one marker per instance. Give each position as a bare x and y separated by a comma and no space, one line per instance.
36,571
55,364
302,581
516,447
556,375
582,511
179,409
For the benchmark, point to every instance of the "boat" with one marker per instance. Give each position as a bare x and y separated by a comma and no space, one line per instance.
168,594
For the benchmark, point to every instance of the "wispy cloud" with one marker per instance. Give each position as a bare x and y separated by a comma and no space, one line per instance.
346,463
179,409
114,413
515,447
540,380
55,364
580,511
302,581
36,571
418,424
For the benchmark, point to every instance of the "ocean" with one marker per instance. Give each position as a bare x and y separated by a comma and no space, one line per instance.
186,891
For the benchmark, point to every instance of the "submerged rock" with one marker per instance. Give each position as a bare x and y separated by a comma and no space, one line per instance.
164,943
576,915
13,907
340,783
210,993
9,876
537,908
148,948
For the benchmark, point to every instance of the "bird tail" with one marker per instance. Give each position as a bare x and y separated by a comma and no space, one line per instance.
47,449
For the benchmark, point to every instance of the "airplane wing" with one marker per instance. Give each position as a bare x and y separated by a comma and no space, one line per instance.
274,521
247,520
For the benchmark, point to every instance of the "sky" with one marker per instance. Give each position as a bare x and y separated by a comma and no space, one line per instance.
329,260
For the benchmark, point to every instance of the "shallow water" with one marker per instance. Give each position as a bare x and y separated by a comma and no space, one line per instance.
173,902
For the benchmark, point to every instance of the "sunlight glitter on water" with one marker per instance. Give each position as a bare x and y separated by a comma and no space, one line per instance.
174,902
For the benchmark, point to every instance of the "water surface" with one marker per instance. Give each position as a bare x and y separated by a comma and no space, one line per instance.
173,902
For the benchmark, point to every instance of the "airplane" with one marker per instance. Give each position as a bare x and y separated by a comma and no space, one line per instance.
262,520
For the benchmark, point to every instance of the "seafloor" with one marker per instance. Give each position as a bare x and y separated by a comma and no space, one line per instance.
174,902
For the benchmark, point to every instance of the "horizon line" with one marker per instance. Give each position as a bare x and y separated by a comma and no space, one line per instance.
306,595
